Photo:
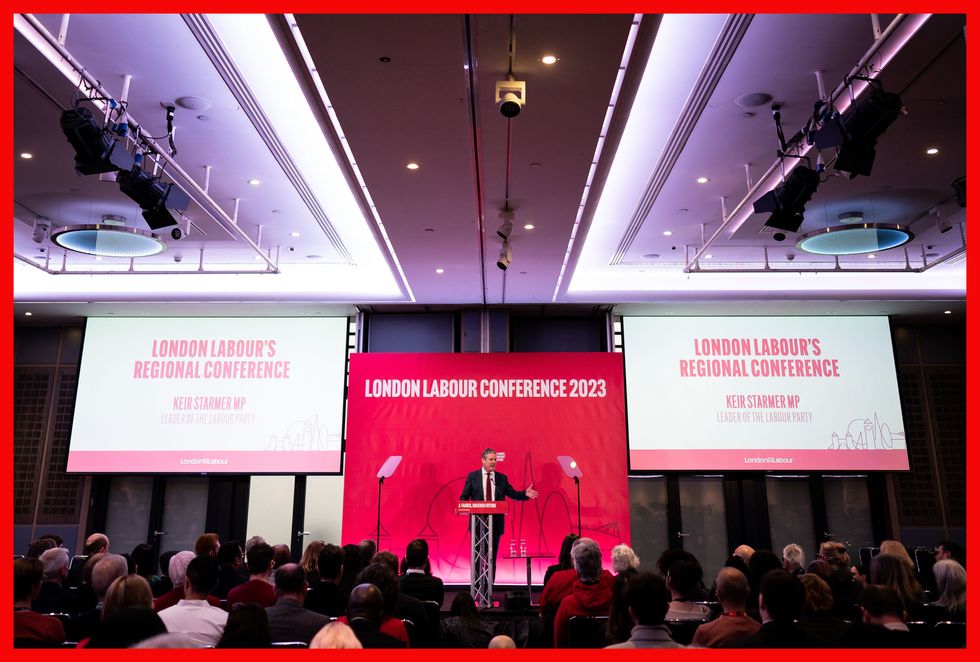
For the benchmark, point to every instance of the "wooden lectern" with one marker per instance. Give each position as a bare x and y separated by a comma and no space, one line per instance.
481,549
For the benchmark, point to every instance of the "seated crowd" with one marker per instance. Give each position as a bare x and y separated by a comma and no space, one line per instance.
223,596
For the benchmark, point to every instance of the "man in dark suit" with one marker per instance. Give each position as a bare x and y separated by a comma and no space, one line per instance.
487,484
415,582
327,597
288,620
364,616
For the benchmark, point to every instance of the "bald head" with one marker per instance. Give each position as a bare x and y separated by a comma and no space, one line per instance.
744,552
502,641
95,543
109,568
732,588
367,602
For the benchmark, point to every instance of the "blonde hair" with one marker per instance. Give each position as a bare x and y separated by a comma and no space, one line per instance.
624,558
335,635
896,548
127,591
835,553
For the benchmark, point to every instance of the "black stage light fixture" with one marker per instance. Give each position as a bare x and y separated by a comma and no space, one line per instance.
856,132
96,150
162,203
787,202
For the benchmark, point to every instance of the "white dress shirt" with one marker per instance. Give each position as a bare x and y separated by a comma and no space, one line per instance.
197,619
493,484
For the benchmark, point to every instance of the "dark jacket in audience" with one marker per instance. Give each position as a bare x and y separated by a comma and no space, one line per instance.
55,599
327,598
422,587
289,621
825,627
777,634
370,637
863,635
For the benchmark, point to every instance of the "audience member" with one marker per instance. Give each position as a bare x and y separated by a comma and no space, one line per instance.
794,559
502,641
247,627
83,588
947,549
364,615
761,562
40,546
124,592
96,543
144,562
335,635
258,588
53,597
894,571
326,597
896,548
557,589
121,628
590,596
416,582
407,607
620,623
744,552
280,557
386,581
309,561
817,616
647,597
882,624
780,603
230,574
465,628
178,572
951,586
107,569
352,567
368,550
252,542
624,559
564,557
683,580
193,615
207,544
734,624
842,583
288,619
29,625
860,574
161,584
58,540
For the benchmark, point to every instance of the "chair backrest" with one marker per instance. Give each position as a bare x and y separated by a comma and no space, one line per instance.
583,631
865,554
949,634
433,612
715,607
410,629
289,644
683,631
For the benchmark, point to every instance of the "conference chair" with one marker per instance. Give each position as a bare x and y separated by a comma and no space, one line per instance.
410,629
289,644
586,631
433,612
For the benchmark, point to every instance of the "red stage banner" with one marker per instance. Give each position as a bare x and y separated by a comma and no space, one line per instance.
440,411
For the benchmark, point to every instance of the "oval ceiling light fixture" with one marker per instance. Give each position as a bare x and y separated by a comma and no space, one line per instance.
702,180
108,240
254,182
667,233
932,151
855,239
26,155
549,59
440,270
412,165
528,226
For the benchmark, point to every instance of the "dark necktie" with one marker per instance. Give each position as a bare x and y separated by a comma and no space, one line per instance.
489,491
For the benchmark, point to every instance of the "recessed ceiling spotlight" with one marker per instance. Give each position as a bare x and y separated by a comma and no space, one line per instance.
708,256
945,312
412,165
549,59
254,182
871,256
667,233
528,226
932,151
753,99
26,155
294,234
702,180
29,313
440,270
